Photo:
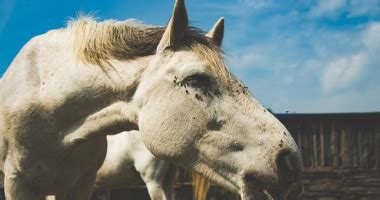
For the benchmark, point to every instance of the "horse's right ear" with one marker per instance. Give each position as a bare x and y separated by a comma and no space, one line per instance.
176,27
217,32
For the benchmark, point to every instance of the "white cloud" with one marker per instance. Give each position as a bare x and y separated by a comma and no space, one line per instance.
257,4
343,72
6,8
371,37
247,59
327,8
364,100
236,7
350,8
363,7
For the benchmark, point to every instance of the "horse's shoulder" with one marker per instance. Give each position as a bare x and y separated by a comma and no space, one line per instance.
29,69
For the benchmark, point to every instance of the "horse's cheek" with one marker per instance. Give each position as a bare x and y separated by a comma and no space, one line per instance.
169,131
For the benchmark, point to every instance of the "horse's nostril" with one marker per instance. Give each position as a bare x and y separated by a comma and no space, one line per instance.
291,162
288,165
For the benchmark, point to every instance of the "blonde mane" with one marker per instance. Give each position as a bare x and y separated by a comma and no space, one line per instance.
96,42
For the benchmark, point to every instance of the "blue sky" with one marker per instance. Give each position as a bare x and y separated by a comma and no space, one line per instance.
297,56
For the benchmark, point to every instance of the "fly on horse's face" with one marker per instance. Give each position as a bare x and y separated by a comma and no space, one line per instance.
195,113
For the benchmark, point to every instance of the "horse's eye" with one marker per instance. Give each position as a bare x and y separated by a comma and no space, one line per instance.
198,81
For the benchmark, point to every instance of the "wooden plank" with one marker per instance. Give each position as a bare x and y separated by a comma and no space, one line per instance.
345,152
334,146
322,144
372,144
365,151
299,140
301,144
310,145
377,148
360,148
355,147
327,143
315,146
305,148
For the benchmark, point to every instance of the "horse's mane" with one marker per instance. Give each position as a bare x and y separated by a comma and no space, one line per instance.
96,42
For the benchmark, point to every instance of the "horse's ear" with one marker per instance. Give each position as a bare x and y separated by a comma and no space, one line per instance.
217,32
176,27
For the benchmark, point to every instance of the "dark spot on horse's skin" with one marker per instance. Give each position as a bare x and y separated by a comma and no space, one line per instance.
281,141
198,97
215,125
246,88
237,146
174,81
284,133
265,111
280,145
187,92
194,118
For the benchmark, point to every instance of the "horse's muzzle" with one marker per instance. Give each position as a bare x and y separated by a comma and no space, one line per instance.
285,185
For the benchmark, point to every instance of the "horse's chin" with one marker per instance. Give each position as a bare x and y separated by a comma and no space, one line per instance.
254,193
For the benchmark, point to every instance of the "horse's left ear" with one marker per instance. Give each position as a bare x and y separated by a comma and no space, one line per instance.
176,27
217,32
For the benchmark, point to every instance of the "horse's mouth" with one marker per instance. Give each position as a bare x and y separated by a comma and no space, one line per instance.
287,192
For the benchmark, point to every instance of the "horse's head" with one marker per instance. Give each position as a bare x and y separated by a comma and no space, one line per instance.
195,113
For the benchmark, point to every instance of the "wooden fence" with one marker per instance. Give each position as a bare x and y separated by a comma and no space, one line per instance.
336,141
341,154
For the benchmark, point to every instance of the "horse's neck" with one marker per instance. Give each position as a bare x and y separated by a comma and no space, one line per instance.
114,109
125,73
102,89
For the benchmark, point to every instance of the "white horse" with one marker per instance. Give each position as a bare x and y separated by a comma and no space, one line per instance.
67,89
127,161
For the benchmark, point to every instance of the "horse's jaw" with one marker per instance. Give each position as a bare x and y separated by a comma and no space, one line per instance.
253,189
